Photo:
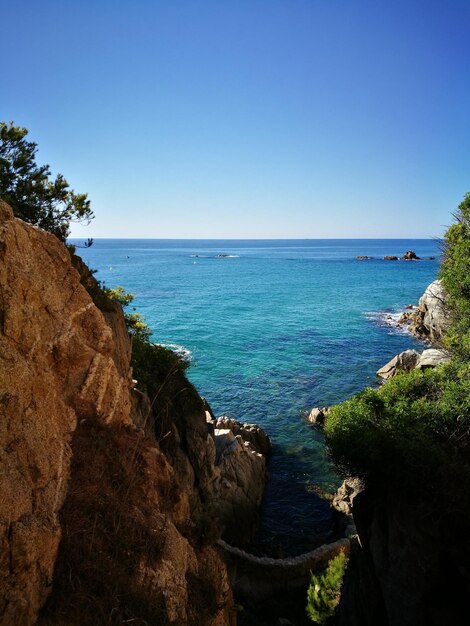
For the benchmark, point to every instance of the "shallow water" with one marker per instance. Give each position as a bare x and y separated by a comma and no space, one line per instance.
273,329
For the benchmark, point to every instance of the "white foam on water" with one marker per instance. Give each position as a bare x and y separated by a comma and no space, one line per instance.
387,319
181,350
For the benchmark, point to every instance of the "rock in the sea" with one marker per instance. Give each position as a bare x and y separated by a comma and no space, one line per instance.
410,256
364,257
432,358
405,361
390,258
318,415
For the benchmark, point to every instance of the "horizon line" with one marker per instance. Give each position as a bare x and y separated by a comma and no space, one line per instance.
429,238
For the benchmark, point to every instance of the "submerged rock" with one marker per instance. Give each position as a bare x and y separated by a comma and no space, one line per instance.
364,257
390,258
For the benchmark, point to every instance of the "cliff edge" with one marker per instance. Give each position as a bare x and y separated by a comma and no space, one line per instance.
105,511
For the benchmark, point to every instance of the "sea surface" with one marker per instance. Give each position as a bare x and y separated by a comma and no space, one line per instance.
273,329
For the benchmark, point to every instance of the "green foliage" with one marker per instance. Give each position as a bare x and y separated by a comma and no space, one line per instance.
324,591
119,295
134,321
455,276
150,362
407,430
29,190
415,429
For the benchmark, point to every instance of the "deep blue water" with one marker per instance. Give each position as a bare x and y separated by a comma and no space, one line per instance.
273,330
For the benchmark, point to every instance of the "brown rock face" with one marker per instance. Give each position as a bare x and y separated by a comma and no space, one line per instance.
74,465
56,360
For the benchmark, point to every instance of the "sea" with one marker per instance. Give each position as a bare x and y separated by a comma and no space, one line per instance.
272,329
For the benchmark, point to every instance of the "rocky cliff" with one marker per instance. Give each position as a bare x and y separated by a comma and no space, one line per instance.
411,563
430,320
107,492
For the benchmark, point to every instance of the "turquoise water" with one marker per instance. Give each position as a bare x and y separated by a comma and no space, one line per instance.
272,330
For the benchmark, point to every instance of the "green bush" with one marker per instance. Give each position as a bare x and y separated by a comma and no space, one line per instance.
411,430
396,430
324,591
415,429
455,276
151,362
135,323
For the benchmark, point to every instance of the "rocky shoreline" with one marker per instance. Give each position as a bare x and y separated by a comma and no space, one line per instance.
143,487
428,321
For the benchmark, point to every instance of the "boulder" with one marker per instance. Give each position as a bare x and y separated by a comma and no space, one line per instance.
390,258
405,361
432,358
252,433
318,415
410,359
431,320
364,257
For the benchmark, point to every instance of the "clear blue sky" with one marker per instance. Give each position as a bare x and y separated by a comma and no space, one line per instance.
247,118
